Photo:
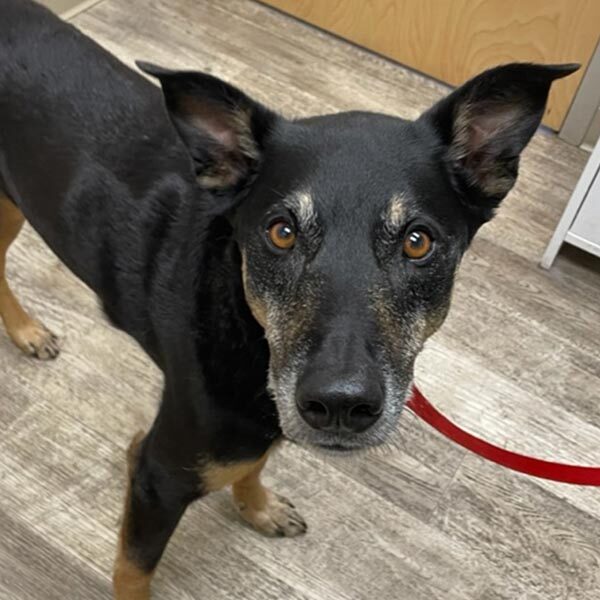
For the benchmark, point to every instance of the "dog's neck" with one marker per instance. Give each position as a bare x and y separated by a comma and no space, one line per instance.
230,344
213,353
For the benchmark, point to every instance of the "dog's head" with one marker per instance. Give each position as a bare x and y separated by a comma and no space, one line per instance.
352,230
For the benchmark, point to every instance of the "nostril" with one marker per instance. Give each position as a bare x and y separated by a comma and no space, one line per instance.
363,410
315,413
316,408
361,416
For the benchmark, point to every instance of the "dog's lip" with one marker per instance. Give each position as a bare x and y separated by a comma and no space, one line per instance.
336,448
329,446
333,448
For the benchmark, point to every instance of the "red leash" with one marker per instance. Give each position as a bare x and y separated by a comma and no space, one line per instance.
518,462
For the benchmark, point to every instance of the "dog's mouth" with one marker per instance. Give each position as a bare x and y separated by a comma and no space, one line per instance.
337,444
347,449
331,448
335,447
338,449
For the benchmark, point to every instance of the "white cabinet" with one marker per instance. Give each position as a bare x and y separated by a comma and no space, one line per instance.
580,223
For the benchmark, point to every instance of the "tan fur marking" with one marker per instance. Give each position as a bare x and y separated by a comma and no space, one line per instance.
249,490
306,207
302,204
217,476
402,337
257,308
435,318
27,333
266,511
129,581
395,211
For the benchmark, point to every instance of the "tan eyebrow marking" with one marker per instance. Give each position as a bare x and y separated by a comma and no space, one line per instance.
302,205
395,211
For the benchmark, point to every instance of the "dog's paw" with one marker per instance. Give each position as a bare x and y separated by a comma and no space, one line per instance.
36,340
277,517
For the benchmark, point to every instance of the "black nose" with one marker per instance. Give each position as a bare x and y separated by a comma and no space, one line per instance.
350,405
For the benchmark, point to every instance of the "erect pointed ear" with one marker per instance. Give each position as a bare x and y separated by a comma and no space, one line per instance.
485,124
224,129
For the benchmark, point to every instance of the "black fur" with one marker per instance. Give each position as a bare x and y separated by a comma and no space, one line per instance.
152,200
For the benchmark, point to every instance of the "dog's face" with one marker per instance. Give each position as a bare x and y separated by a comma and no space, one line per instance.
350,238
351,228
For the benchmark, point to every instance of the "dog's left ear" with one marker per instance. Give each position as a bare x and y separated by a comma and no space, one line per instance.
224,129
485,124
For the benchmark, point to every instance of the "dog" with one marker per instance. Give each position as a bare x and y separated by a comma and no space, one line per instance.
283,274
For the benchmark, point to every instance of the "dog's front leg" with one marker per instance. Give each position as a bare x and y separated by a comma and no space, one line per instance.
157,496
265,510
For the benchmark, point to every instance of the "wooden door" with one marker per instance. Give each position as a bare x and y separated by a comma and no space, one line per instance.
452,40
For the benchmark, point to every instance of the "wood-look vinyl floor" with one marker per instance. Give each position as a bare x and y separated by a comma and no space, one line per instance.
517,362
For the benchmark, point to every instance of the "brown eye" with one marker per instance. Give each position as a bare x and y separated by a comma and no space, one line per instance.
282,235
417,244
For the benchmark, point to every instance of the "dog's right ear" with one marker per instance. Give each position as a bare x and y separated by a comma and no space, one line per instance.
484,125
224,130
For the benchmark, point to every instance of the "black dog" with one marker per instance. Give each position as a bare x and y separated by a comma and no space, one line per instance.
282,274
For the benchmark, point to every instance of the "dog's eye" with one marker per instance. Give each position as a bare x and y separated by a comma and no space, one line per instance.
417,244
282,234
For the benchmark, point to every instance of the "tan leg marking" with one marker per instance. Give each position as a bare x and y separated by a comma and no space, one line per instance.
27,333
129,581
216,476
266,511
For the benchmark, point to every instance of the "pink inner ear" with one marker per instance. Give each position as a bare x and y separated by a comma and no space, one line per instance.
217,121
492,121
